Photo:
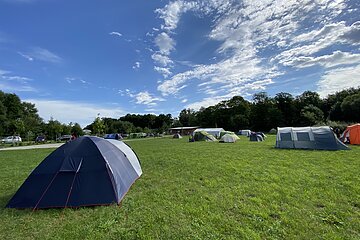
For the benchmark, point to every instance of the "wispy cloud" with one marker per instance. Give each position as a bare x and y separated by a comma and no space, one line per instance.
338,79
26,56
258,40
146,98
165,43
15,83
136,65
68,111
116,34
163,71
71,80
41,54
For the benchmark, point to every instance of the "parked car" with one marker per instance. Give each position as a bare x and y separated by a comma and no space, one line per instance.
11,139
64,138
40,139
116,136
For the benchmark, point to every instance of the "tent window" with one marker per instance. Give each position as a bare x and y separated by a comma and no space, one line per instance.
303,136
285,136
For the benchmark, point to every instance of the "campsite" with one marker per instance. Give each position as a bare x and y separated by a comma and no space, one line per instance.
204,190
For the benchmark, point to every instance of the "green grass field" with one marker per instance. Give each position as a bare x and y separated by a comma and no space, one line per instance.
202,190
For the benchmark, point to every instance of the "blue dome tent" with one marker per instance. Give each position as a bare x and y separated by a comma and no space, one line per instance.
85,172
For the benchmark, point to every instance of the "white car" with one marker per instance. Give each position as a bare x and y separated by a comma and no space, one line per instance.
11,139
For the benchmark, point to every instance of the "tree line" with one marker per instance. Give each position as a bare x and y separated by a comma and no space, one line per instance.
261,114
284,109
22,118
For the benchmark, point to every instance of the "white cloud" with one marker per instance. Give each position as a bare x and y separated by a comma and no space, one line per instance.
115,34
71,80
172,12
42,54
256,39
162,59
26,56
338,79
67,111
317,40
14,83
184,100
147,99
164,71
328,61
165,43
136,65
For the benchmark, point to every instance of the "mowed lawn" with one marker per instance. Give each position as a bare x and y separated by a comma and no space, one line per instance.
203,190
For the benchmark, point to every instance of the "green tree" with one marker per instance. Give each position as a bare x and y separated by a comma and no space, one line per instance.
312,115
285,103
77,130
53,129
187,117
98,126
351,107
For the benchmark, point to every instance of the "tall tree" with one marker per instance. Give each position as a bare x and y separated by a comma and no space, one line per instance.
351,107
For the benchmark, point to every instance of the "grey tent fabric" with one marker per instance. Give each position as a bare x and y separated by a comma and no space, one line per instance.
85,172
177,135
321,138
255,137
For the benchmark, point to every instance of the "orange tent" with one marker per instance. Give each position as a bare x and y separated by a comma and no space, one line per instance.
352,133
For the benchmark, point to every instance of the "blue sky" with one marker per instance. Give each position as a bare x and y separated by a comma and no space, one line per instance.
76,59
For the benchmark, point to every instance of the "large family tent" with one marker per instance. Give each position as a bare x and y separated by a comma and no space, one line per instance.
203,136
321,138
85,172
229,138
351,134
212,131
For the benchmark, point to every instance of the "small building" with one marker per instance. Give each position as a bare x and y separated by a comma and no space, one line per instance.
182,130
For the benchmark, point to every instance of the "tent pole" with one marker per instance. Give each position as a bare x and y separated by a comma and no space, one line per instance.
45,191
72,184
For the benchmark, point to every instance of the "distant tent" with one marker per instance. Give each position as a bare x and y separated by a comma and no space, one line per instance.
226,132
212,131
245,132
351,134
261,134
203,136
85,172
177,135
272,131
229,138
321,138
255,137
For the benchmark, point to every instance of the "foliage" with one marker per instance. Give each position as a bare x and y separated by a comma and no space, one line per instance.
98,126
351,107
265,112
202,190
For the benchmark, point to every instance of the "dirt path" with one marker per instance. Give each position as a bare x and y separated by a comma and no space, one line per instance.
51,145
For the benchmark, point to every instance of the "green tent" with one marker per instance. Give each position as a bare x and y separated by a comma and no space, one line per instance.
226,132
203,136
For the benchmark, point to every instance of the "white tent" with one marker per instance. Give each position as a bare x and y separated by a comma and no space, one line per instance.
229,138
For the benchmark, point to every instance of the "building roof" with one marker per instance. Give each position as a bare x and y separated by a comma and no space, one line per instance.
183,128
